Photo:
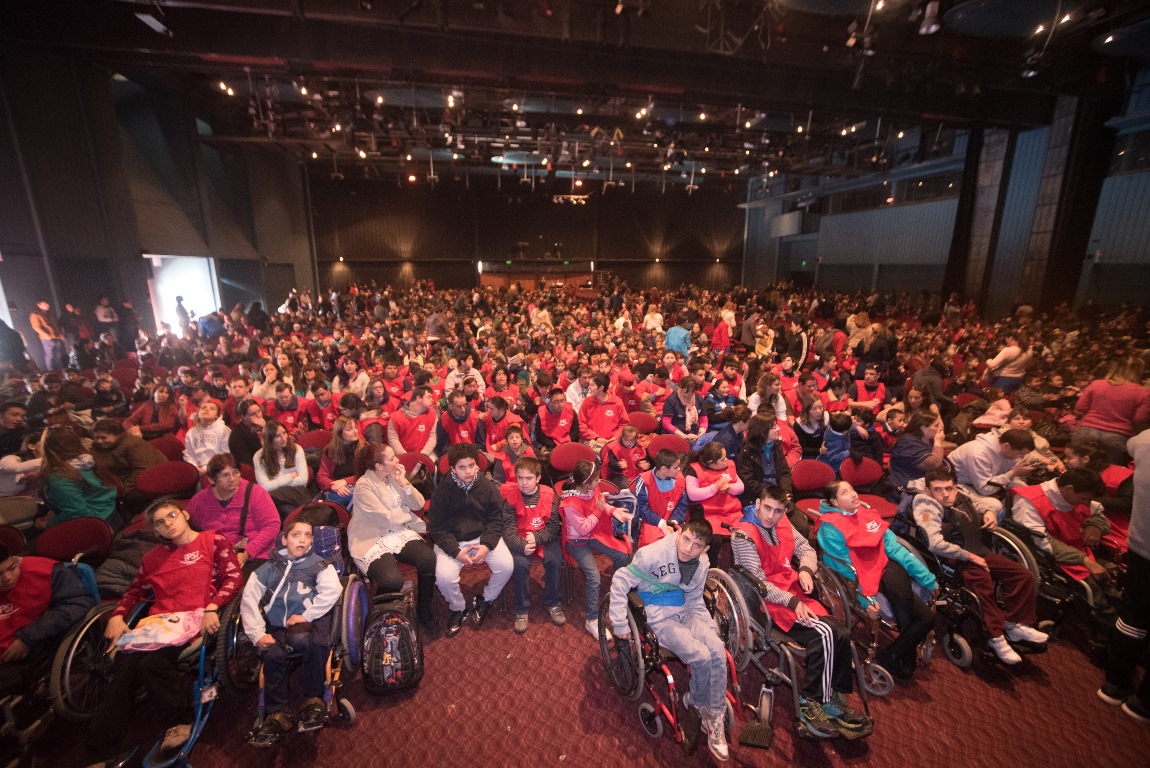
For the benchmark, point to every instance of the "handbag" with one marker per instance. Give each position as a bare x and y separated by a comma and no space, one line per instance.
163,630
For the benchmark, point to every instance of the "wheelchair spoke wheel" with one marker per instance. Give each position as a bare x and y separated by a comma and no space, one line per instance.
957,650
81,669
352,616
1012,547
652,723
730,613
623,659
877,680
237,662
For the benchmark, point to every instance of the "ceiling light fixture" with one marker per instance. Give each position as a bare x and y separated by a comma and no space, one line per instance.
378,99
702,115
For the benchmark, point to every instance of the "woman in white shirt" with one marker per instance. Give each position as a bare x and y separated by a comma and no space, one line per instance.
351,379
653,321
385,528
281,468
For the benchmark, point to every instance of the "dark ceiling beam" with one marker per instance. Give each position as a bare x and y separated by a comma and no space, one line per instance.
211,41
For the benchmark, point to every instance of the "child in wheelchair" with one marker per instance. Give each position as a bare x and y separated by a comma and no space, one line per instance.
953,530
765,546
287,614
670,575
189,571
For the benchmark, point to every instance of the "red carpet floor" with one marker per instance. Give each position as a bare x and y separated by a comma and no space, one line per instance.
494,698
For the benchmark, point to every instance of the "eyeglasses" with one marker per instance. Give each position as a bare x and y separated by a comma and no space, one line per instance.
171,517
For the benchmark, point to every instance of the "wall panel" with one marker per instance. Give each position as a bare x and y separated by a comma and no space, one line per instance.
903,234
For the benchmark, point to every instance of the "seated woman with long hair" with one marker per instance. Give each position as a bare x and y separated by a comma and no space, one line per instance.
72,489
385,529
185,572
156,417
281,468
336,476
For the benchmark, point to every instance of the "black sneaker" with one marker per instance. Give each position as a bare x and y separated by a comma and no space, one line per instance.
479,610
272,730
1114,695
1136,710
455,623
312,715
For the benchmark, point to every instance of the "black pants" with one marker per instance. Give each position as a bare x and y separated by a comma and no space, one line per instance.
169,693
384,573
828,658
912,615
1128,639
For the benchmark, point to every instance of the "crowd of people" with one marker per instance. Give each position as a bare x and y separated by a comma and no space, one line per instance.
494,381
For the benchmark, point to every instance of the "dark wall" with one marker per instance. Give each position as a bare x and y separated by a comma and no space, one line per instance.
401,234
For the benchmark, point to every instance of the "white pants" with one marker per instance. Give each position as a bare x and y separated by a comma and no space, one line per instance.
447,570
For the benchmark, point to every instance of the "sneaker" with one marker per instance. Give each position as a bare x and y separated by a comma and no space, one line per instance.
1114,695
520,623
841,715
1002,649
312,715
556,614
1025,634
714,726
456,623
272,730
692,724
479,610
176,737
1133,707
814,719
592,626
895,667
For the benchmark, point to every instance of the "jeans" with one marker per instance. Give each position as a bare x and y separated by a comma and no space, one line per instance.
583,552
312,650
1007,383
55,356
695,641
1113,443
552,567
447,570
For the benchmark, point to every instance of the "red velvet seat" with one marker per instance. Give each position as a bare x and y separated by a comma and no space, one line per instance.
171,447
248,472
644,422
317,438
445,466
340,511
564,457
964,399
12,538
809,477
90,536
863,475
674,442
177,478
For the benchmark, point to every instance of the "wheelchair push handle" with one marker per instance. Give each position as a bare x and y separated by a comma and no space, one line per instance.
736,533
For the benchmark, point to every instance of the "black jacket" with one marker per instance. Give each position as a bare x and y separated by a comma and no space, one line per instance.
456,515
749,466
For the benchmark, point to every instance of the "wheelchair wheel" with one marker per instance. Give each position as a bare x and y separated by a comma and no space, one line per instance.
927,650
957,650
352,616
730,612
877,680
1013,548
346,712
835,596
622,658
81,668
237,661
652,723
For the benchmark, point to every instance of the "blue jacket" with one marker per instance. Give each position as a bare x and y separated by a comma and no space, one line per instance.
678,340
837,555
838,445
285,586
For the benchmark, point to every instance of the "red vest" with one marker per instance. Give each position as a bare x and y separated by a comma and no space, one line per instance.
511,394
413,432
557,426
529,519
864,394
863,532
603,531
181,577
508,462
289,418
324,417
722,507
630,455
28,599
661,503
396,388
1064,526
496,431
630,398
777,569
365,423
460,433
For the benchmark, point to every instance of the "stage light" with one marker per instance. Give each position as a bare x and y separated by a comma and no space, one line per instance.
315,155
231,92
1040,29
223,86
702,115
378,99
450,101
303,90
362,155
579,111
411,178
337,127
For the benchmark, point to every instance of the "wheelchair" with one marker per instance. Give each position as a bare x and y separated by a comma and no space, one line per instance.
751,638
641,664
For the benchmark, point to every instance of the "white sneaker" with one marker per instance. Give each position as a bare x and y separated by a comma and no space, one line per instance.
1002,649
1026,634
716,731
593,628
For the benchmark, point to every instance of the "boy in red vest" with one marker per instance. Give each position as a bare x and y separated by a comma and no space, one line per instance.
412,428
40,600
624,457
460,422
766,547
869,392
601,415
532,526
555,423
660,496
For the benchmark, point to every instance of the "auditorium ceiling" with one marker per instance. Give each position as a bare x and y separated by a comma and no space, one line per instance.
612,90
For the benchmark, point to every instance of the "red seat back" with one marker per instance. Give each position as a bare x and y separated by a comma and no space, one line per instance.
72,537
411,460
248,472
964,399
861,473
445,465
340,511
674,442
809,475
12,538
644,422
171,447
317,438
565,456
172,477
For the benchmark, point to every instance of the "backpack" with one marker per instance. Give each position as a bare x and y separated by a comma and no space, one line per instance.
392,647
